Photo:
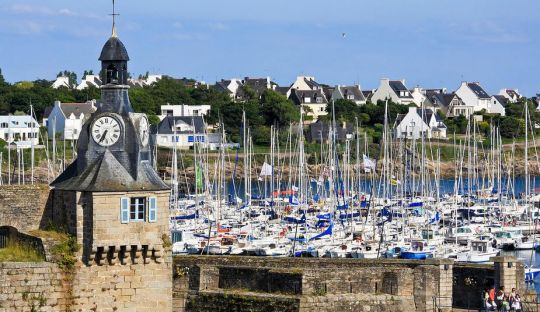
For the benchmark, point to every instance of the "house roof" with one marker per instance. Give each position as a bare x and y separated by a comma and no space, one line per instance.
426,115
298,96
167,124
512,93
478,90
312,84
77,109
502,99
352,90
398,87
367,94
282,90
259,85
18,121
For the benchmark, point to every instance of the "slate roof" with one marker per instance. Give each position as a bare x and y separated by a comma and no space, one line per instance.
312,84
223,86
298,96
367,94
426,116
77,109
259,85
352,90
106,173
18,121
282,90
512,93
167,124
114,50
502,99
398,87
322,128
478,90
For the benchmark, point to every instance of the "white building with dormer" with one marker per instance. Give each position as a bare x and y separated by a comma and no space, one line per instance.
394,90
22,131
418,121
473,95
66,119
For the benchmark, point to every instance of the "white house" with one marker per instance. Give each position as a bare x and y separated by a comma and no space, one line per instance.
182,131
231,87
60,82
511,94
89,81
67,118
20,130
394,90
305,83
418,121
184,110
419,96
312,102
351,93
472,94
498,103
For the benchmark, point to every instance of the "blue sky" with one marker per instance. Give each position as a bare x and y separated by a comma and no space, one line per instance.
428,43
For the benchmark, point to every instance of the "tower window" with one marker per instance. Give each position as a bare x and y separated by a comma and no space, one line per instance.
112,74
137,209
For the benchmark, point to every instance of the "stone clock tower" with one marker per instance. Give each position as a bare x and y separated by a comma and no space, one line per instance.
114,203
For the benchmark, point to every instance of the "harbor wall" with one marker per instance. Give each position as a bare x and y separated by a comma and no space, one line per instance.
313,284
24,207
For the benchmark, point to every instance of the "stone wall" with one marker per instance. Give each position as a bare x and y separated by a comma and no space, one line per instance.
33,287
46,287
318,284
24,206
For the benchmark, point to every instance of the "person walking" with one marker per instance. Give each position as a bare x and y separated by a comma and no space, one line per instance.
499,299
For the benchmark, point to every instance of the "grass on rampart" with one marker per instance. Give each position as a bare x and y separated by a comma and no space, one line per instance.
19,252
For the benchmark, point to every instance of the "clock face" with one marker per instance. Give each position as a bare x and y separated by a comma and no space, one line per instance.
144,131
106,131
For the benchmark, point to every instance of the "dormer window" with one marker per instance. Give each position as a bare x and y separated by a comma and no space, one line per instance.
319,99
350,97
307,100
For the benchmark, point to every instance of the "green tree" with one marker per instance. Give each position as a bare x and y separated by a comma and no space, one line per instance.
277,110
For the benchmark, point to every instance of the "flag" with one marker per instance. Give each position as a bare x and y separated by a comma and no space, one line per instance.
369,164
266,170
293,200
199,176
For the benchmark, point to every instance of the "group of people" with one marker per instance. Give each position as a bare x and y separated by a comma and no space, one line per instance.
501,301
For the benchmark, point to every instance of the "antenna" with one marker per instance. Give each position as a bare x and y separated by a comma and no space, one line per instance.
114,15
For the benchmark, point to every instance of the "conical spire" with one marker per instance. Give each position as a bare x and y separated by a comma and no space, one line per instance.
114,34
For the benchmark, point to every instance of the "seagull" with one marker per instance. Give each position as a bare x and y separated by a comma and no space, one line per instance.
343,35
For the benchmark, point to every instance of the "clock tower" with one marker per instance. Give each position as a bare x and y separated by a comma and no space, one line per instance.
113,201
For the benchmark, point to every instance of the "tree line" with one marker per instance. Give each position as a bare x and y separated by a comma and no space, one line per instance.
263,110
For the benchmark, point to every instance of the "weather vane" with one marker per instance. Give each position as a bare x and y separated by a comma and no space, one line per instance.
114,15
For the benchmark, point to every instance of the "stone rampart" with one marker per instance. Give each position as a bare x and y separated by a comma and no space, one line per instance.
321,284
24,207
38,286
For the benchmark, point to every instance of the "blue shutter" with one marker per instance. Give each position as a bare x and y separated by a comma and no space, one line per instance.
124,210
152,209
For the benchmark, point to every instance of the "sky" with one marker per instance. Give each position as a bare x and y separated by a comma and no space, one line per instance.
428,43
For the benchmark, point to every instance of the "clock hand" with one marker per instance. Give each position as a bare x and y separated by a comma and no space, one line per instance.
103,137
